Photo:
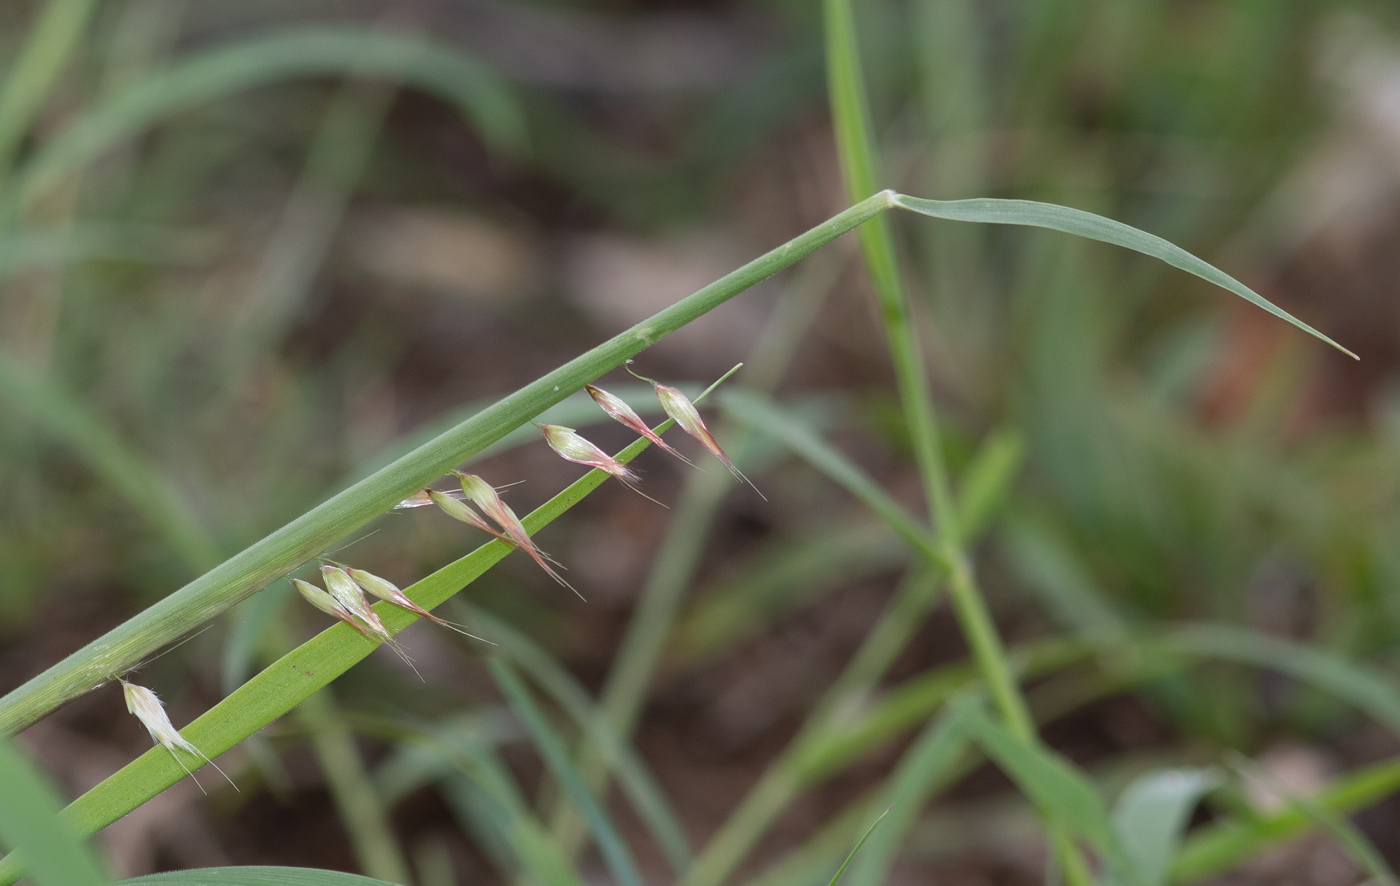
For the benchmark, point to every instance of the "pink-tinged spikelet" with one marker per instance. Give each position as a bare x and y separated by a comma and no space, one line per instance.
620,411
147,707
424,497
574,448
484,496
679,408
420,499
390,593
322,600
459,510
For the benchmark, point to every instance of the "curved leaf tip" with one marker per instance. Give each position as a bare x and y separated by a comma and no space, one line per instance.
1031,213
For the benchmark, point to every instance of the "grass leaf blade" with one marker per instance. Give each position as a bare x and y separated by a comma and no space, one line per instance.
1034,214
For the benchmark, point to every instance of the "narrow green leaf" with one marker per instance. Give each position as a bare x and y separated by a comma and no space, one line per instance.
931,761
986,480
762,415
1219,847
1053,784
1364,687
286,54
1095,227
551,748
30,823
1151,816
1346,835
253,876
636,781
847,863
122,467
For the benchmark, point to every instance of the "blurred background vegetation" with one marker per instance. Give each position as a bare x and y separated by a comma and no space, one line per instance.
249,250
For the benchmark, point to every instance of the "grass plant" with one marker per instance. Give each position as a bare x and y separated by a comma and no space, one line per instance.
1033,487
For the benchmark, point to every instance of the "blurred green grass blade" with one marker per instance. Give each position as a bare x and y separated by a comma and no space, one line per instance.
987,479
29,81
1055,785
1346,835
313,532
305,52
120,466
55,246
766,417
856,150
927,765
1150,817
905,706
30,823
1052,568
357,801
488,800
253,876
639,785
1219,847
782,577
1096,227
840,872
551,747
1369,690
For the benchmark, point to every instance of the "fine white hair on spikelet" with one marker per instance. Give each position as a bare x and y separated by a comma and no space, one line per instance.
147,707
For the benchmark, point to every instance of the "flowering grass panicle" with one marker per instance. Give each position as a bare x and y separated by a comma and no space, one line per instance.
147,707
615,407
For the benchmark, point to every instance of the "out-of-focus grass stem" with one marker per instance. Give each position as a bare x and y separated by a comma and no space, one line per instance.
46,51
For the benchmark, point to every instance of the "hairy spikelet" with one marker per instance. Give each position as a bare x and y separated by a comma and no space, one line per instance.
572,447
390,593
484,496
679,408
147,707
615,407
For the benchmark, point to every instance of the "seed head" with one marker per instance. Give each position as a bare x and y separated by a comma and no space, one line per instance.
572,447
619,410
459,510
147,707
323,601
390,593
484,496
348,594
679,407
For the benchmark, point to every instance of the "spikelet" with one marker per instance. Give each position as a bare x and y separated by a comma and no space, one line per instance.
484,496
348,594
390,593
459,510
679,408
323,601
615,407
424,497
150,710
574,448
420,499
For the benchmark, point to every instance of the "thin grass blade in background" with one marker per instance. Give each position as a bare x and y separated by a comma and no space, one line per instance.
610,844
253,876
